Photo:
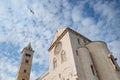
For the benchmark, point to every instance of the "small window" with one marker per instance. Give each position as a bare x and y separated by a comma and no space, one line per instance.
23,79
93,70
77,52
78,41
26,61
114,62
25,71
28,55
63,56
54,63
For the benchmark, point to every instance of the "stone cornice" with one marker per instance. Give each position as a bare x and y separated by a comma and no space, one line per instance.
43,75
64,32
60,37
26,49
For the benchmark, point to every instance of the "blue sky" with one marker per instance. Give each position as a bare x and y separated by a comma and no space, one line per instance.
96,19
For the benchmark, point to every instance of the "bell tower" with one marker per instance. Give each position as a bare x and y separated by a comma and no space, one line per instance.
25,63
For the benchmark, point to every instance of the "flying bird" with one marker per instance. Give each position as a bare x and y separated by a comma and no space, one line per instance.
31,11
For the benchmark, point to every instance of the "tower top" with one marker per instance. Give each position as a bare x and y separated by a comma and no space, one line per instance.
28,47
25,63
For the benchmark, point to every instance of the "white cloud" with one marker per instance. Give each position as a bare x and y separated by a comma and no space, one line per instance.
114,48
18,26
76,14
33,76
7,67
87,22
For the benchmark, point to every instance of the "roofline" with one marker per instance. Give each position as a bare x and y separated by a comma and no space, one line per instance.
26,49
64,32
56,32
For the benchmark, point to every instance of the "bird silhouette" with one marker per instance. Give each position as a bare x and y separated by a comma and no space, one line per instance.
31,10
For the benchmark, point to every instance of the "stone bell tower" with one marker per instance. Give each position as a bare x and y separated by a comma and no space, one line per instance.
25,63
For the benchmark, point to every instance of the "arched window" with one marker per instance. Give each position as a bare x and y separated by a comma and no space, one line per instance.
78,41
63,56
54,63
114,62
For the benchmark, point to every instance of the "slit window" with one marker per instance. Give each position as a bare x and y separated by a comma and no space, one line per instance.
77,52
26,61
63,56
78,41
93,70
54,63
25,71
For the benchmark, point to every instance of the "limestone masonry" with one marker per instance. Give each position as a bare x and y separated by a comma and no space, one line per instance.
73,57
25,63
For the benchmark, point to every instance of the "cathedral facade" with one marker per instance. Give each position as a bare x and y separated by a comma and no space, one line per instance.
75,57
